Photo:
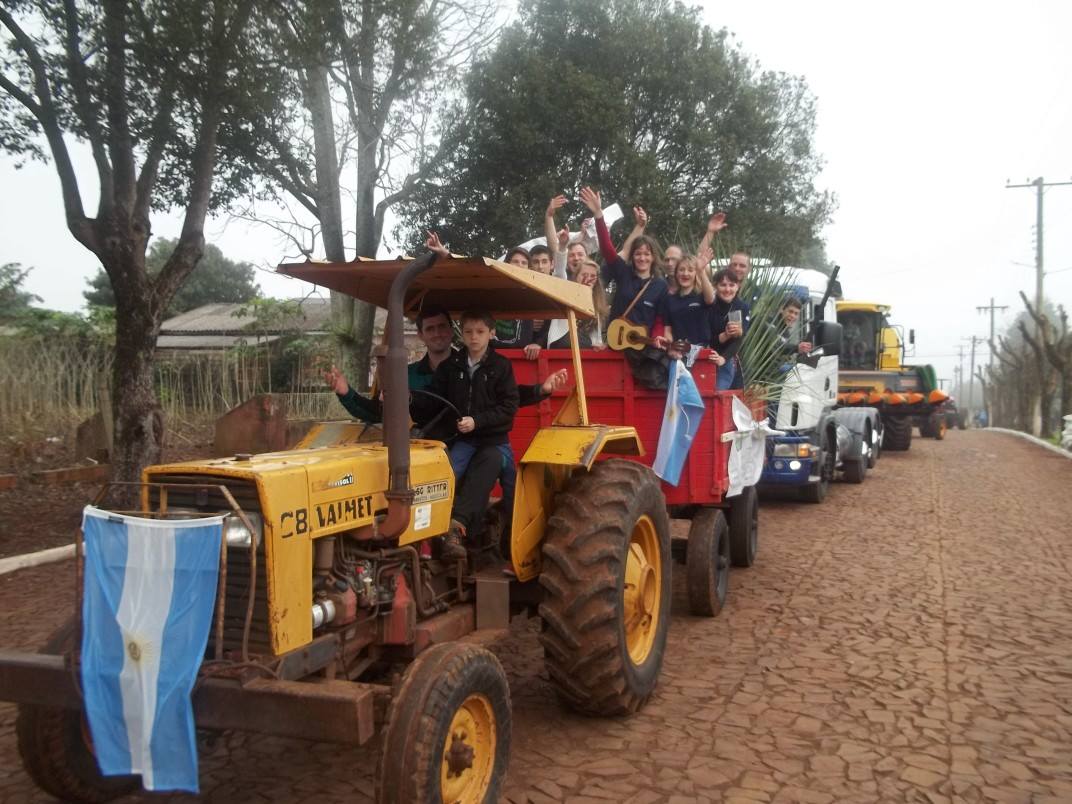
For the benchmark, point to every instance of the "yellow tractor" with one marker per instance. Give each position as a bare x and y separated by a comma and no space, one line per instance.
334,620
873,374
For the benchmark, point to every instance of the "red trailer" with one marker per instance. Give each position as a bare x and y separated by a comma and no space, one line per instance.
723,529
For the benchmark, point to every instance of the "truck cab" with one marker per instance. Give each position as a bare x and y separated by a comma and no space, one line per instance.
818,440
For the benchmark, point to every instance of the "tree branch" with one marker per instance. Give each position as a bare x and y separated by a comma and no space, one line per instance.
83,103
120,142
44,111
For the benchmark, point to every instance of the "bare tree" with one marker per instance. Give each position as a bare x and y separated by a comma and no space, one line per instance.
148,87
1057,344
375,80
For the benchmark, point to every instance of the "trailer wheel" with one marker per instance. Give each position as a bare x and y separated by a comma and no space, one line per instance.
56,748
744,527
898,434
707,562
448,729
606,578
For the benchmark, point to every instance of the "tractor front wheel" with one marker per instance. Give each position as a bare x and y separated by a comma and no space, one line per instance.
448,729
56,748
707,562
606,579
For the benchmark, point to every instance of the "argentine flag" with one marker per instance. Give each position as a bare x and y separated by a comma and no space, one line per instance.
150,591
681,420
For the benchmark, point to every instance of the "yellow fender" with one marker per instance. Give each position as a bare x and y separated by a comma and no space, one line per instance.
547,465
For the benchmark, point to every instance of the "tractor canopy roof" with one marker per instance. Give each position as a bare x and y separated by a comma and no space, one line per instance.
456,283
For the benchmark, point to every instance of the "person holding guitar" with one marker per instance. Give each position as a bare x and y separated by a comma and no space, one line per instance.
639,287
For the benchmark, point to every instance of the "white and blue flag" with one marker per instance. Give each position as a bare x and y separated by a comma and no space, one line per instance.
150,590
681,420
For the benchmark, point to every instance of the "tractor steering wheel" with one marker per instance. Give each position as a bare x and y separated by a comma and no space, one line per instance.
419,432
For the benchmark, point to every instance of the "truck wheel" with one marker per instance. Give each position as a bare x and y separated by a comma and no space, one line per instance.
606,579
744,527
56,748
898,435
855,471
448,729
876,447
707,562
816,492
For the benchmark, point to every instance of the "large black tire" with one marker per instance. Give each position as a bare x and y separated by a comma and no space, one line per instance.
926,427
898,433
707,562
448,729
55,747
854,471
604,634
744,527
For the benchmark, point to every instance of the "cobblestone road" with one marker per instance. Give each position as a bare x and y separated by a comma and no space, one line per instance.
908,640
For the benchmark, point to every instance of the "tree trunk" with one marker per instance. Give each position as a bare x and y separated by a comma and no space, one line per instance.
368,243
329,206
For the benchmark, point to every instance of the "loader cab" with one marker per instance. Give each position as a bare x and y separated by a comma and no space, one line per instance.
871,342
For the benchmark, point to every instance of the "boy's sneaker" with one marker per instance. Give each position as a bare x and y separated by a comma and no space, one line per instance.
452,543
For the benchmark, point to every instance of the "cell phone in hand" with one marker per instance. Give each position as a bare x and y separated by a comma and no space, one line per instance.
734,317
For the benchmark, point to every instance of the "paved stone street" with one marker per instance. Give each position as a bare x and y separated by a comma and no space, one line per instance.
908,640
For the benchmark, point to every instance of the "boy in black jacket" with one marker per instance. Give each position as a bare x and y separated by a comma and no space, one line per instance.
481,385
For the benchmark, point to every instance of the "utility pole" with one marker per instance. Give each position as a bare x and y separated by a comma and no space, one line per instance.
960,373
971,378
1039,184
992,308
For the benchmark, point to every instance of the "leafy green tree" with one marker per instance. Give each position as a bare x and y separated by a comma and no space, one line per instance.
14,301
155,90
641,100
216,279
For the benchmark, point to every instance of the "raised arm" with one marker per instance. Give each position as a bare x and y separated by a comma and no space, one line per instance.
704,255
549,230
591,199
641,221
432,243
715,225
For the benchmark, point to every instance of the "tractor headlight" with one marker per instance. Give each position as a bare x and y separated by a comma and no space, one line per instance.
236,534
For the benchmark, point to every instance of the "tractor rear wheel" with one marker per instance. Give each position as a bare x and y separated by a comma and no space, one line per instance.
744,527
898,433
606,579
56,748
707,562
448,729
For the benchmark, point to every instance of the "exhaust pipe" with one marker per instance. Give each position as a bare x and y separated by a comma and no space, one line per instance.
396,390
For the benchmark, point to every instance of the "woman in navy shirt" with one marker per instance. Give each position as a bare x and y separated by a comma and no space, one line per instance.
636,278
726,335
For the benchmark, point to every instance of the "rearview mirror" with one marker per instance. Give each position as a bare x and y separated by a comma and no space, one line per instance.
912,337
828,336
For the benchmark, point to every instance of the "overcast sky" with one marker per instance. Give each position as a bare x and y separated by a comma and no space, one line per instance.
924,111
